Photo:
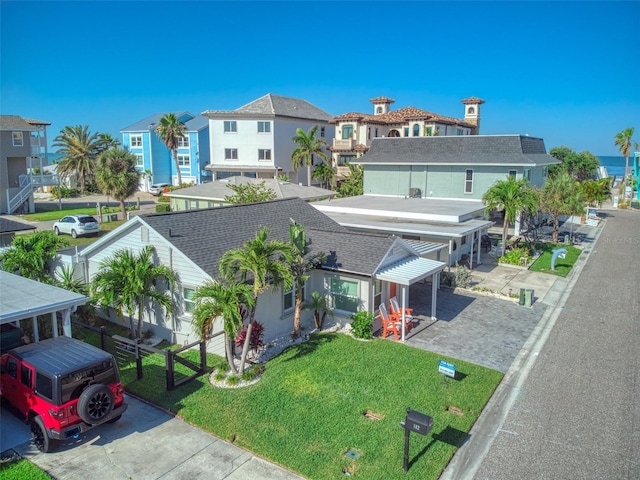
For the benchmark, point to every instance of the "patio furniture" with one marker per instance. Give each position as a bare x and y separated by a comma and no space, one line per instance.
396,310
390,323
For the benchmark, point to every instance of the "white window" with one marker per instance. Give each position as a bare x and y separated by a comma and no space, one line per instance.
18,140
188,294
230,153
230,126
264,127
139,160
264,154
289,298
468,181
344,294
184,160
136,140
183,142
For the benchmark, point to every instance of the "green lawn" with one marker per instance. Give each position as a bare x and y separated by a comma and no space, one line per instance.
563,265
308,408
51,212
21,469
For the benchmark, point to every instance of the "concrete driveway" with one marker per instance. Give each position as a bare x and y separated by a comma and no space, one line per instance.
147,443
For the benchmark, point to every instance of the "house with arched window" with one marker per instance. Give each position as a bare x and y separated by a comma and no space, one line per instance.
354,132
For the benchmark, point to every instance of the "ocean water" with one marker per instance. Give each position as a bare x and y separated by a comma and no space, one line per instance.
615,165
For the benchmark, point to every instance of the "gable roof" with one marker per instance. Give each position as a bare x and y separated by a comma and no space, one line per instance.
274,105
219,189
193,123
459,150
205,235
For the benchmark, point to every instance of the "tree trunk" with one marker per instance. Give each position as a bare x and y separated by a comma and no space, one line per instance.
123,209
556,228
175,160
228,349
296,312
247,339
505,226
308,175
140,320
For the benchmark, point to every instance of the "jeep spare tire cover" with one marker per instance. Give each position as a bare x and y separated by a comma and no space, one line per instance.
95,403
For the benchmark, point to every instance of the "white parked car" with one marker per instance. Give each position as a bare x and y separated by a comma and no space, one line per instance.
157,188
77,225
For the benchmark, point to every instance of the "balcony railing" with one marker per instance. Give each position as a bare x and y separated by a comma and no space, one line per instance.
342,144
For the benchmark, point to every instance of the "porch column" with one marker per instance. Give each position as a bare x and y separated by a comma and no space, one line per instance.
479,243
54,323
434,296
450,252
36,334
404,305
66,322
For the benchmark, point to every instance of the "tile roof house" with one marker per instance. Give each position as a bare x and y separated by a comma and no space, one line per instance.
358,274
23,148
154,158
255,140
213,194
355,131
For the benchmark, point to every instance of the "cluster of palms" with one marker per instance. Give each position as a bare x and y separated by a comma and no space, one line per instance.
99,157
568,189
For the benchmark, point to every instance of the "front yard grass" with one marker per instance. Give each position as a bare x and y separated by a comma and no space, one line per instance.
563,265
309,407
21,469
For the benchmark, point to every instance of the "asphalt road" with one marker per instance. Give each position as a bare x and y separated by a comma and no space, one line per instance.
575,411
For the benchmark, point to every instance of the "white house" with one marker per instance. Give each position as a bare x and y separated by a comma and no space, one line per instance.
255,140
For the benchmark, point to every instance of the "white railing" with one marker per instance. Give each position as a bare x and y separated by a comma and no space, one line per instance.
40,180
18,199
343,144
26,185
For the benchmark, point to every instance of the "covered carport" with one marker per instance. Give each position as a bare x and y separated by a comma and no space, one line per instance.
22,298
408,271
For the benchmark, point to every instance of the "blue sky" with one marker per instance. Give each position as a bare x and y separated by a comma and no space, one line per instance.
564,71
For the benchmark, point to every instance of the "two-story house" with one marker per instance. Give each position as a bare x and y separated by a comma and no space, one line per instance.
23,149
255,140
355,131
157,161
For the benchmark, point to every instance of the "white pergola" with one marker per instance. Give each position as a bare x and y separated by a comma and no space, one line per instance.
408,271
22,298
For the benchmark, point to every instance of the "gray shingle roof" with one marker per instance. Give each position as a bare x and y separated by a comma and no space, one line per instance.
194,124
8,226
14,122
275,105
205,235
466,149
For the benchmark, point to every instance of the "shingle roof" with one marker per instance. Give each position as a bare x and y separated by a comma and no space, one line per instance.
466,149
8,226
143,125
275,105
205,235
15,122
219,189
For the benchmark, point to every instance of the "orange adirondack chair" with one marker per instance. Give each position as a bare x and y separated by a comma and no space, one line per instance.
390,323
397,311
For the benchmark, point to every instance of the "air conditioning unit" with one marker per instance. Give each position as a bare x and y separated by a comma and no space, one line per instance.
415,193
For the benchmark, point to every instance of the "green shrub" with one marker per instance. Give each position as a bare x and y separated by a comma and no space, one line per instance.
62,192
233,380
219,376
462,276
163,199
163,207
362,324
447,278
249,375
513,256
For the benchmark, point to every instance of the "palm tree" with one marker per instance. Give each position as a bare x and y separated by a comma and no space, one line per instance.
216,299
170,130
560,195
268,265
623,141
78,149
512,196
107,141
30,255
126,281
308,146
324,173
301,265
117,175
319,305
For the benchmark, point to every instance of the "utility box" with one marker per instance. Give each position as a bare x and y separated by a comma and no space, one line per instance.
528,297
418,422
521,302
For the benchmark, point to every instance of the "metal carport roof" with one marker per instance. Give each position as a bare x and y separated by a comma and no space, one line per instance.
409,270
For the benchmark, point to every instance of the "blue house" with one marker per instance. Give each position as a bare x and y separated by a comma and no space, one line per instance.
157,161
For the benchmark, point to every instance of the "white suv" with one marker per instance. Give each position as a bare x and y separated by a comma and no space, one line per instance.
76,225
157,188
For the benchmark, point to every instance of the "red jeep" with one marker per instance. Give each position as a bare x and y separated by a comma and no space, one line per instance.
63,387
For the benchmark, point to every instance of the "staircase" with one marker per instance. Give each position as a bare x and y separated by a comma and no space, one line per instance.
26,185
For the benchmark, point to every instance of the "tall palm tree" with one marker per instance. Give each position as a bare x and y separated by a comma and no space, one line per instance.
511,196
30,255
308,146
623,140
107,141
117,175
267,262
325,174
170,130
560,195
126,281
215,300
78,149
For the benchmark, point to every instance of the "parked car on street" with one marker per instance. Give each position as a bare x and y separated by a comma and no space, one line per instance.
77,225
63,387
157,188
